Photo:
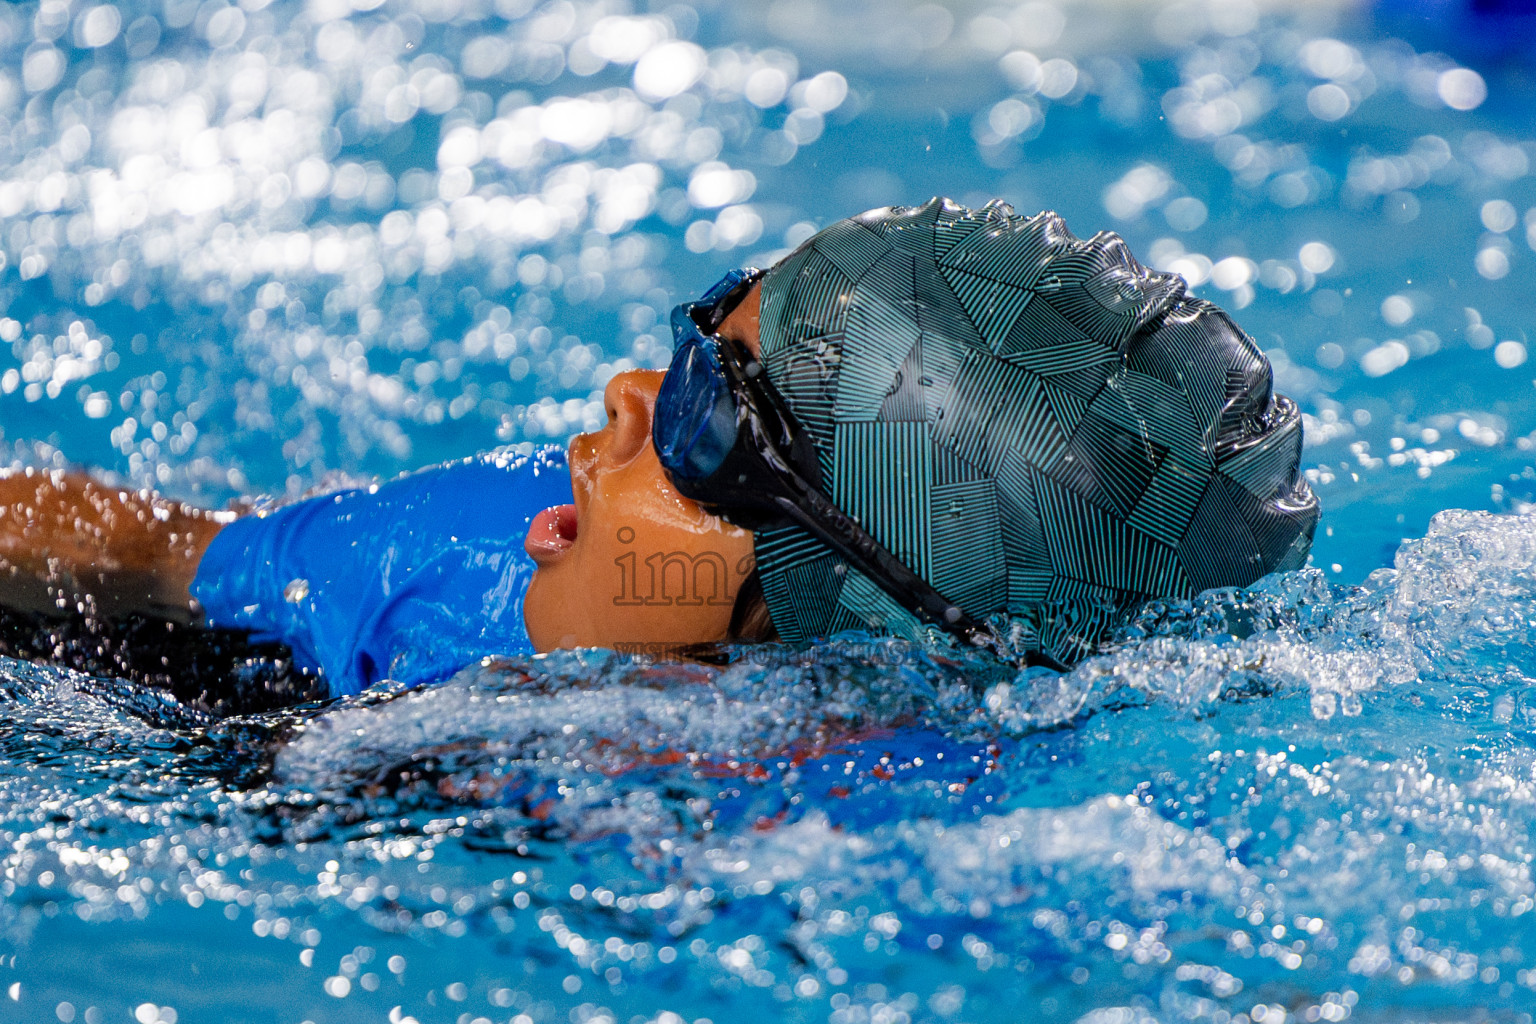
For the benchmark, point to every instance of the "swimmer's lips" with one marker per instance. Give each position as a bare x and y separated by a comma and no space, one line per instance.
551,534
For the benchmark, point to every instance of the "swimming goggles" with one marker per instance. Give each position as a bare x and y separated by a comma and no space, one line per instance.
727,439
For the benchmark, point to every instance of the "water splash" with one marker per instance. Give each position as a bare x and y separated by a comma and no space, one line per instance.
248,245
1302,796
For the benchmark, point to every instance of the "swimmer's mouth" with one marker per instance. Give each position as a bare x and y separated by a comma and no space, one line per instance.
551,533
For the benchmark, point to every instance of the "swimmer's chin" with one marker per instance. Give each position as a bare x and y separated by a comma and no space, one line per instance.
551,535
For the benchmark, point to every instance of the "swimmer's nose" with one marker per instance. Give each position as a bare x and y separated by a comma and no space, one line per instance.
629,399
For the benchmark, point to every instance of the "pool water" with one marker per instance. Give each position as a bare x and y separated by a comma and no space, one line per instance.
269,247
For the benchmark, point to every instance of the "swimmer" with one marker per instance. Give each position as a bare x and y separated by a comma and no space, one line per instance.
923,419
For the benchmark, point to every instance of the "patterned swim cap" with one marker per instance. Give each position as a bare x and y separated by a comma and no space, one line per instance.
1037,425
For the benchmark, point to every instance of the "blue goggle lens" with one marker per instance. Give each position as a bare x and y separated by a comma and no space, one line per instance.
694,425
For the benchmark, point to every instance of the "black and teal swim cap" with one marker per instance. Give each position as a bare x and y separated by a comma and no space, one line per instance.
1036,424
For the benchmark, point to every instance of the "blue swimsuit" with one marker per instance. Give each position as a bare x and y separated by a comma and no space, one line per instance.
408,580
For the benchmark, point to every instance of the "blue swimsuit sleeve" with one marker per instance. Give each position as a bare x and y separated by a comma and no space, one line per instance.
409,580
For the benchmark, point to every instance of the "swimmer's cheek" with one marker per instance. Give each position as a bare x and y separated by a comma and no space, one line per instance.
565,608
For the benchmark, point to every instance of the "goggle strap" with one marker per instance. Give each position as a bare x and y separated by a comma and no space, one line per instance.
896,578
818,515
836,528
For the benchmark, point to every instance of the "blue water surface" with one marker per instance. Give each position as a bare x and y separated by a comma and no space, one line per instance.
276,246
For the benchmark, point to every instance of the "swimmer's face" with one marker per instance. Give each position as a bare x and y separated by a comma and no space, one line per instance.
633,561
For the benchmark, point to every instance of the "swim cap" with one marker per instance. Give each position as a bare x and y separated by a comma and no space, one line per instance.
1035,424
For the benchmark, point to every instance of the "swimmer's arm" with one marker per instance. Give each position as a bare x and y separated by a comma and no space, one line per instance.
71,544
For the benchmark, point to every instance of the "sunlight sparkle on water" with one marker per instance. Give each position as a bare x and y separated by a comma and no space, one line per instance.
269,246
